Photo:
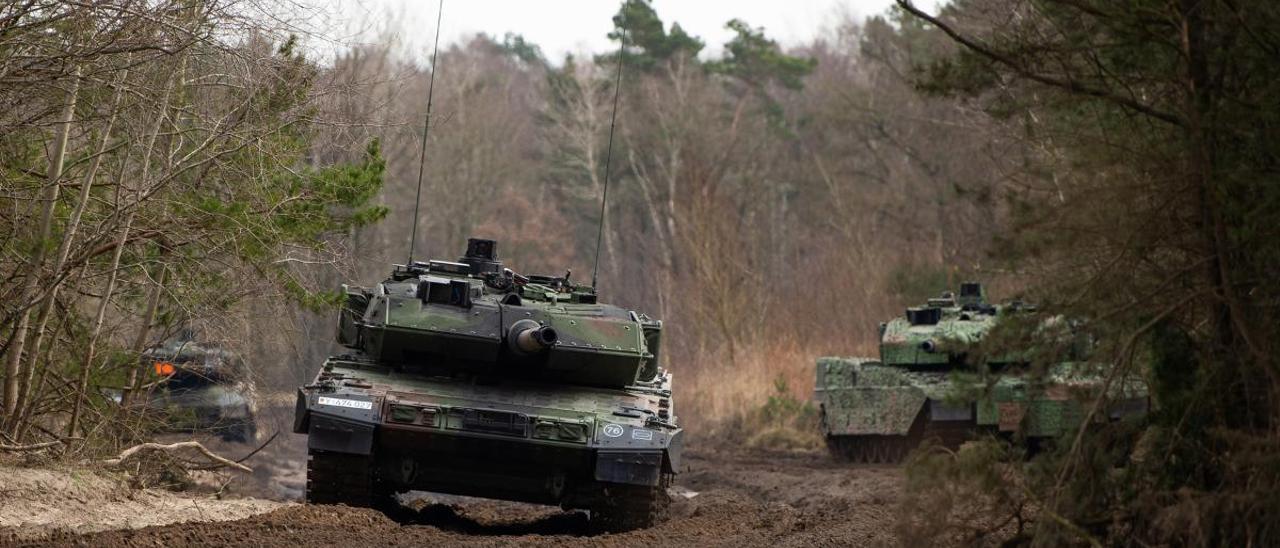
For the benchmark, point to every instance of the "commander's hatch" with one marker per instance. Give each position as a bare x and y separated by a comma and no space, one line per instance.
437,290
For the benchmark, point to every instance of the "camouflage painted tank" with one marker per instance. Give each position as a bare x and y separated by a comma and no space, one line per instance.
470,379
877,410
202,387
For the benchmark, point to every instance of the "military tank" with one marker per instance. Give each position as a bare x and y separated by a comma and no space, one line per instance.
923,385
467,378
201,386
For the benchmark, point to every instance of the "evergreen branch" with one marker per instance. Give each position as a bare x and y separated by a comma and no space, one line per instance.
1068,84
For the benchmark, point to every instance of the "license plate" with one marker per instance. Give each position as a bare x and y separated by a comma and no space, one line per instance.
340,402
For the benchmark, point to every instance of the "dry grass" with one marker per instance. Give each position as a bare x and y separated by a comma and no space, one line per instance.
763,399
723,398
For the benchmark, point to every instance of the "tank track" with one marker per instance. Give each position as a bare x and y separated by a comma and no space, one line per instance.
871,449
628,507
342,478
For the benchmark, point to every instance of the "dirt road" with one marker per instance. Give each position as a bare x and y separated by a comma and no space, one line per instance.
723,498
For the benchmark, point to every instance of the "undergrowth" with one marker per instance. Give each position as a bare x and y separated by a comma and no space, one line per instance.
783,421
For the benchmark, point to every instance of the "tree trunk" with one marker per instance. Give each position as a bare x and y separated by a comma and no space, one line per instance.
82,387
13,359
1233,331
144,331
41,358
153,297
64,249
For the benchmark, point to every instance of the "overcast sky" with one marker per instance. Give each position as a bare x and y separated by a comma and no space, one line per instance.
567,26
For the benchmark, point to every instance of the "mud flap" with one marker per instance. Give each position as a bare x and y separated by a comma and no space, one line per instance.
301,415
674,453
332,434
630,467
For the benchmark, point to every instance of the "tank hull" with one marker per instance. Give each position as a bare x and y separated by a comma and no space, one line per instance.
871,411
533,442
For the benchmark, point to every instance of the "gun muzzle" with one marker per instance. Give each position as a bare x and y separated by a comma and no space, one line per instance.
530,337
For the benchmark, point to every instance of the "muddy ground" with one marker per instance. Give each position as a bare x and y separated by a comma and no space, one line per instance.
723,498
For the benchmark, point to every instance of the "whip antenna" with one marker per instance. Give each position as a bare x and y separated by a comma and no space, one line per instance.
608,157
426,129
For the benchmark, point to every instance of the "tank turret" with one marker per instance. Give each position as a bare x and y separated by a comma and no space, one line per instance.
942,332
475,316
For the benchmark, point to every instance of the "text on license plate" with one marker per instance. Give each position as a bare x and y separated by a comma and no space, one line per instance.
340,402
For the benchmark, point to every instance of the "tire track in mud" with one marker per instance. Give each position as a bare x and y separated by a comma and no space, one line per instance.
742,499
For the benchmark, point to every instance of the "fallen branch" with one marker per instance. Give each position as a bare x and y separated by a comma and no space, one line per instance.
30,447
260,447
221,461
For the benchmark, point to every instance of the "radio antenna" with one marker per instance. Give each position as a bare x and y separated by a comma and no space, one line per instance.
426,129
608,157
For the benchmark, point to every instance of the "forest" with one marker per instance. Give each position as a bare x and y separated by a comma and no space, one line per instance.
187,166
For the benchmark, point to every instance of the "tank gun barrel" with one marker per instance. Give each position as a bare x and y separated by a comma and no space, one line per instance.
530,337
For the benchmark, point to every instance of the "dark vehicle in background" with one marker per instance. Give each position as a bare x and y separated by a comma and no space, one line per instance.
202,387
470,379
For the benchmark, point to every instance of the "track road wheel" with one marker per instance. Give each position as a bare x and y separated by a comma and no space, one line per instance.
343,478
884,449
875,449
628,507
872,449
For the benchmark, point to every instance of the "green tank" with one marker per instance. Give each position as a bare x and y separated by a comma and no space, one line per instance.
923,386
467,378
201,386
